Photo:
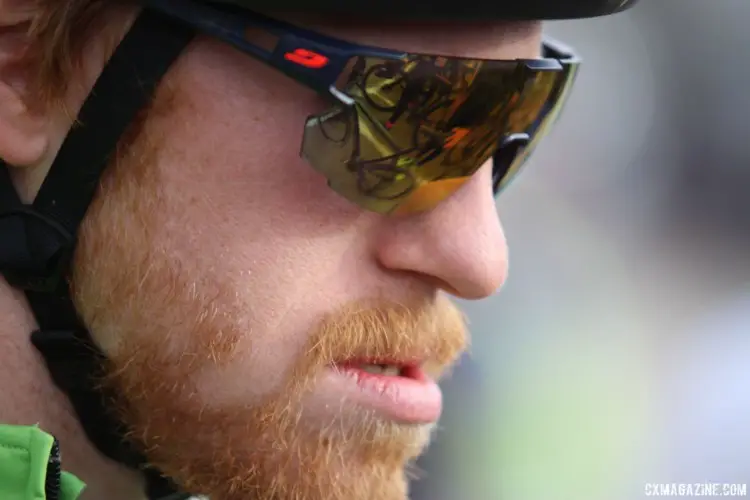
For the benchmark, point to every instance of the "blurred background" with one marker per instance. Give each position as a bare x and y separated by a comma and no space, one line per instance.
618,353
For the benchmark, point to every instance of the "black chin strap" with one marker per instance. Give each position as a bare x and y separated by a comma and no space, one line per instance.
37,241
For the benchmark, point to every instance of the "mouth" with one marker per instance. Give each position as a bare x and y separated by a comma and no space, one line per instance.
397,390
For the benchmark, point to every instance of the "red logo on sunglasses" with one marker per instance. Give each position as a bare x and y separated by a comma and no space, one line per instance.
306,58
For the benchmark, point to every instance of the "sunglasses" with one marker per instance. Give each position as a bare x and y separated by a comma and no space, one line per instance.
404,131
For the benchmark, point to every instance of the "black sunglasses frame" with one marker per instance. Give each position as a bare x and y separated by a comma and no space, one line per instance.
311,58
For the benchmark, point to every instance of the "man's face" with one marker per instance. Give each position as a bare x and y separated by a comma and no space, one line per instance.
236,294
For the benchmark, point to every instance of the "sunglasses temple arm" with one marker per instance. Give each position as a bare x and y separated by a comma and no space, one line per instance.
314,64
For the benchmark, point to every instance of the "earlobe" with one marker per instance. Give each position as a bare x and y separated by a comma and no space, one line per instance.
23,127
23,133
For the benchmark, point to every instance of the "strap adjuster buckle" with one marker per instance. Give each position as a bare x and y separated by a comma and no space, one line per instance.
34,250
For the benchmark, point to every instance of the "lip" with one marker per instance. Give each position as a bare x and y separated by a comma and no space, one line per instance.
412,397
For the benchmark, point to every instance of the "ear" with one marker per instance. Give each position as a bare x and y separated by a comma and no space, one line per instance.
24,130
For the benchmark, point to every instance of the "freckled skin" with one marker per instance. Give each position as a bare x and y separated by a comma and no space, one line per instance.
220,274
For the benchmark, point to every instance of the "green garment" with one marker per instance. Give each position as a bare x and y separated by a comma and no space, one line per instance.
28,463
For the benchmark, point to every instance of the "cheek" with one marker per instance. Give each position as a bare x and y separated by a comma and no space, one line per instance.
244,210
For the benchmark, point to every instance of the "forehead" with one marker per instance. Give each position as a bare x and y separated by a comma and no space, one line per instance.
487,39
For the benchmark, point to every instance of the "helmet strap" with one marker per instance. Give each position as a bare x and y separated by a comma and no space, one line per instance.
38,240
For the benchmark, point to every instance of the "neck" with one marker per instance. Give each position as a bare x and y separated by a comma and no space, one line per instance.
29,397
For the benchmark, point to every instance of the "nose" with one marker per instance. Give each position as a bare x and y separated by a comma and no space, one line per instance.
458,245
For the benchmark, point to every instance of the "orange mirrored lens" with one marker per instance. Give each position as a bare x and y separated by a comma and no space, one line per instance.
408,132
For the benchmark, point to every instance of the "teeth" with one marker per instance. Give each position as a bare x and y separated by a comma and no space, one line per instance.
387,370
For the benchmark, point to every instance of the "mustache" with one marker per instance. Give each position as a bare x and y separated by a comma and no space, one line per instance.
431,333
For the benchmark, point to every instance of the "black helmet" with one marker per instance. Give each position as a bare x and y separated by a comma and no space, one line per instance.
514,10
37,240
